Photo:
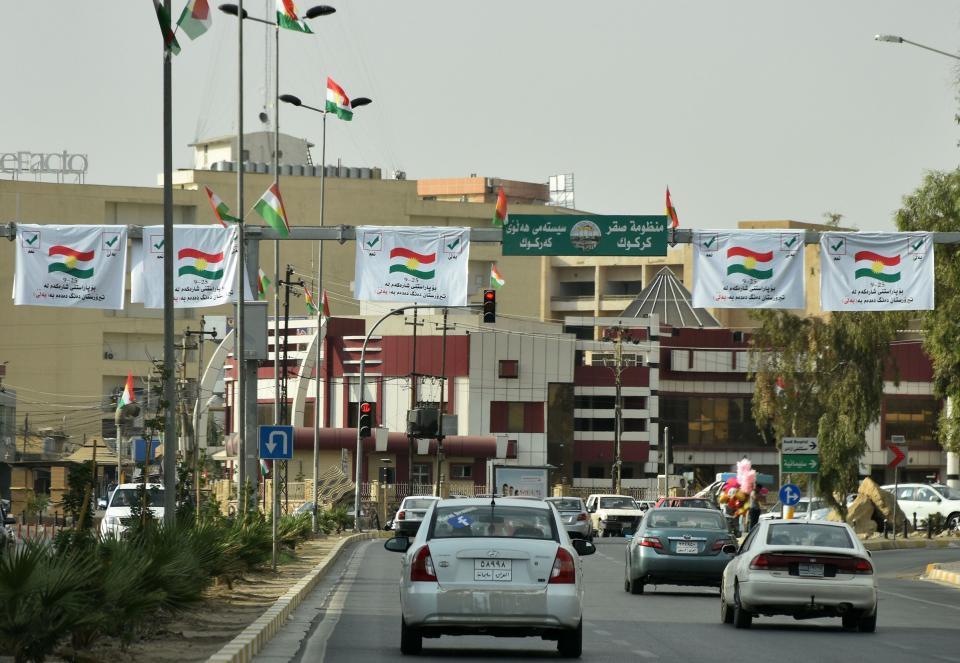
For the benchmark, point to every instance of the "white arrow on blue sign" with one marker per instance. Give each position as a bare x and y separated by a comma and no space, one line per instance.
790,495
276,442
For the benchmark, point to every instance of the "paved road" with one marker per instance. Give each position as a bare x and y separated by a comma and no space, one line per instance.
355,617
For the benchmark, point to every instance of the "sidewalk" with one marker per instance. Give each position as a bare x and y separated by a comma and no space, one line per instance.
912,542
948,572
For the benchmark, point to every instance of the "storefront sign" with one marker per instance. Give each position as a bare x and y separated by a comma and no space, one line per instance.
43,163
584,235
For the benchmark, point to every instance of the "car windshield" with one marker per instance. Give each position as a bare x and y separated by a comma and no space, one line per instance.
131,497
808,535
418,503
681,520
568,504
492,521
617,503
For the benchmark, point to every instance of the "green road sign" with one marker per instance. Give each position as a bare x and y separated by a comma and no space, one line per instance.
584,235
801,464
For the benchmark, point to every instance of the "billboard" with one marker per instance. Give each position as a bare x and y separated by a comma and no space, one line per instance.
510,480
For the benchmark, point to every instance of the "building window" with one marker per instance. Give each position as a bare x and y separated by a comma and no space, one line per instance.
585,402
421,473
509,368
596,471
461,472
706,422
915,419
634,402
516,417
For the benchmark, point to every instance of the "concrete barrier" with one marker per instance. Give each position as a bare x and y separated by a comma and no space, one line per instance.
950,575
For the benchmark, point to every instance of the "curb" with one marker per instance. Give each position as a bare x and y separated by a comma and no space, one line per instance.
252,639
899,544
934,572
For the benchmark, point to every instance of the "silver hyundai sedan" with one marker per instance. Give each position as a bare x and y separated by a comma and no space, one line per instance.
492,566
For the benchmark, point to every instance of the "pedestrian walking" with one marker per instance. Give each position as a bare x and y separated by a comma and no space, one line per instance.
754,512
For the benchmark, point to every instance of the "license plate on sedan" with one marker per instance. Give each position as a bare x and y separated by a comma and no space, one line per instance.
687,548
493,570
810,570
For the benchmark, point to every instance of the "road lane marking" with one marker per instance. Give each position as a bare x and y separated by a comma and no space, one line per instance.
621,643
600,631
911,598
643,653
334,608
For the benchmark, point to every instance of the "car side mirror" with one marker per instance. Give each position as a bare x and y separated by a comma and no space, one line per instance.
397,544
583,547
938,500
592,509
729,549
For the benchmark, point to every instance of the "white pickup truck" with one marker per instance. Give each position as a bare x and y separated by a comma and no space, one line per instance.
613,515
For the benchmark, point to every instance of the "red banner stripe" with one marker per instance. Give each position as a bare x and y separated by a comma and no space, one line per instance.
747,253
407,253
194,253
889,261
60,250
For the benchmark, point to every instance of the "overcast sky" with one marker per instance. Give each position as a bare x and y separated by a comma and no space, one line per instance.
748,109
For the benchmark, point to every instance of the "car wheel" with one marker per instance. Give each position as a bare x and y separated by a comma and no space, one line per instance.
636,586
726,612
570,643
953,521
741,618
868,624
411,641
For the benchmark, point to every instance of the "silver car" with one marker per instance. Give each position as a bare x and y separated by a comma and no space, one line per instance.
575,518
410,514
499,566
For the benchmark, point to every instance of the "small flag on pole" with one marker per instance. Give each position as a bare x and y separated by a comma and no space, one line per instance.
169,39
337,101
287,17
672,211
220,209
325,304
262,284
308,298
195,18
496,279
270,207
500,211
127,396
264,469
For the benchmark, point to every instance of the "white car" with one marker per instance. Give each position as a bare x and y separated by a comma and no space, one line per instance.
613,515
802,568
494,566
410,514
928,499
116,519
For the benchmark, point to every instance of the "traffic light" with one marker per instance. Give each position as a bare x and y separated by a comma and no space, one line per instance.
489,305
366,418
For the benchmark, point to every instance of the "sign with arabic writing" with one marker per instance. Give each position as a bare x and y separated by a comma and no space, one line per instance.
70,266
205,266
748,269
421,264
584,235
876,271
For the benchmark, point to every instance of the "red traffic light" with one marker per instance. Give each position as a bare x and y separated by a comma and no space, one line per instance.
365,408
489,296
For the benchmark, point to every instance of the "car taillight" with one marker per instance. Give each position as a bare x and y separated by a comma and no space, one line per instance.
564,571
864,567
421,570
651,542
766,562
401,515
582,516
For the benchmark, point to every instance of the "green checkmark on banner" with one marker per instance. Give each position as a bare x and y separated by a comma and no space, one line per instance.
33,239
917,246
111,242
453,244
837,246
790,242
159,245
373,242
709,243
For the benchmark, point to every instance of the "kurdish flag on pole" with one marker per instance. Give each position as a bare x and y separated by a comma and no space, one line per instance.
220,209
337,101
672,211
496,280
270,207
262,284
287,17
195,19
308,299
127,396
170,42
500,211
264,470
325,304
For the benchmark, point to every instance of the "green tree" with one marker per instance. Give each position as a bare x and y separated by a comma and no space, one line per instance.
935,206
816,377
79,488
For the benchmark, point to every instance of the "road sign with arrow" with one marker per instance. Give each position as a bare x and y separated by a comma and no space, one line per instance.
897,452
276,442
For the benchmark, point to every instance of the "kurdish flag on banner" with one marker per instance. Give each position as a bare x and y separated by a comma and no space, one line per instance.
500,211
127,396
308,299
195,18
496,280
170,42
287,17
220,209
270,207
262,284
337,101
672,211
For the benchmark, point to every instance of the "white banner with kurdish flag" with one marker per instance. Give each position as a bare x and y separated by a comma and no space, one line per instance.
748,269
418,265
70,266
204,267
876,271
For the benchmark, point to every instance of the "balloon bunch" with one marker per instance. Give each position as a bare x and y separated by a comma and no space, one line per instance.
735,494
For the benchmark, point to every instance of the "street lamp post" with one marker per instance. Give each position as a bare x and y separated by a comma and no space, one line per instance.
355,103
618,334
895,39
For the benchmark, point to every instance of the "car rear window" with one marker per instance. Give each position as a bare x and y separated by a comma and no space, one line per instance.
617,503
567,505
423,503
808,535
493,521
131,497
687,520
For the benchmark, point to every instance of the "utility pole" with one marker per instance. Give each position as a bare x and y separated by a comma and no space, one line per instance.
443,390
195,436
280,484
616,334
413,400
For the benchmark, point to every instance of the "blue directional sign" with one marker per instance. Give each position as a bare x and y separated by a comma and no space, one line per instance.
276,442
790,495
